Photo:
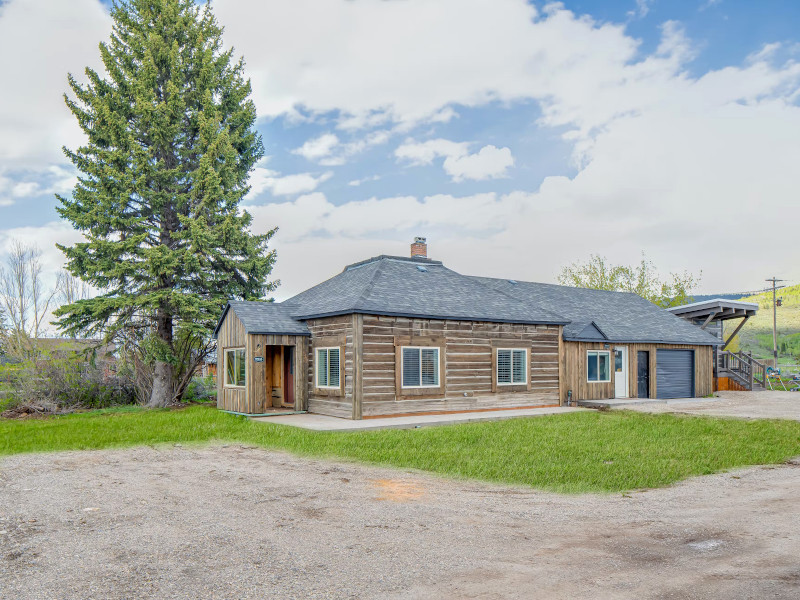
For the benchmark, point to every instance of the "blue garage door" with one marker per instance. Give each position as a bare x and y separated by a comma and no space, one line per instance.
675,374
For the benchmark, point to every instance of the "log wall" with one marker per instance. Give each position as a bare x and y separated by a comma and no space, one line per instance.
331,331
466,372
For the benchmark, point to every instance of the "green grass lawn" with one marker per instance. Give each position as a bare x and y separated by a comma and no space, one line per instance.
575,452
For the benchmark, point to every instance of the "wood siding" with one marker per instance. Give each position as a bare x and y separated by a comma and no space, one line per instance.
263,388
466,359
265,385
576,378
231,335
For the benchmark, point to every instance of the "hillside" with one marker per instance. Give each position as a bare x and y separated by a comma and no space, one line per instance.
756,336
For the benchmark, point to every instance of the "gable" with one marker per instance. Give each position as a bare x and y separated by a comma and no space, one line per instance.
591,332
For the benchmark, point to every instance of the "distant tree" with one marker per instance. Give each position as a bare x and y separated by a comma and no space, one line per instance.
642,279
70,289
171,144
25,298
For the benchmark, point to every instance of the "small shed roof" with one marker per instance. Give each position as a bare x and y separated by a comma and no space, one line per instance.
264,318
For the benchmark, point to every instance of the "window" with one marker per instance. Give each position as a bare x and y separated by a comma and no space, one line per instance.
328,367
420,367
597,366
235,367
512,368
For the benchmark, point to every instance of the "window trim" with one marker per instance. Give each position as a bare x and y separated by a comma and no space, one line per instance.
497,367
225,365
508,388
316,368
608,362
421,386
419,393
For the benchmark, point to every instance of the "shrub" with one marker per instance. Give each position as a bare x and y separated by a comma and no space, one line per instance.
201,389
52,382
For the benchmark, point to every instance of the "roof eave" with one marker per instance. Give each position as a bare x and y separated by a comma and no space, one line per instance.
629,341
294,333
221,319
426,316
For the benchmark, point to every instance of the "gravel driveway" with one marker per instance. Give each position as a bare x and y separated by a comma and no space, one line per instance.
235,522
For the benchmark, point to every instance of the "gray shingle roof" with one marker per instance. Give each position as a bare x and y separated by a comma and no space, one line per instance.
266,318
423,288
414,288
619,316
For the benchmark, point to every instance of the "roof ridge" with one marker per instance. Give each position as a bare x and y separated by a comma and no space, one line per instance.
558,285
522,304
381,257
369,287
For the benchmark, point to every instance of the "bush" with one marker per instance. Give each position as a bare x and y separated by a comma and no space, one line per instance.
64,381
201,389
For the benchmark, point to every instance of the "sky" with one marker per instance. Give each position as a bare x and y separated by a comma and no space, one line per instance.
518,137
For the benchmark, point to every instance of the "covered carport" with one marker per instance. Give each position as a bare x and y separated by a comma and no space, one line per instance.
732,370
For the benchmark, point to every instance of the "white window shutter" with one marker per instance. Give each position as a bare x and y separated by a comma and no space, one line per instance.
333,367
411,367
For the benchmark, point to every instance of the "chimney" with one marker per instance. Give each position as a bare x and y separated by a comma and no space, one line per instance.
419,248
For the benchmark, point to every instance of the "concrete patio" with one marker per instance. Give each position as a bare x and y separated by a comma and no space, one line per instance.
741,405
325,423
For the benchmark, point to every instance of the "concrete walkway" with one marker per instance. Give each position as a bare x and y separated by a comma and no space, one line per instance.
635,402
325,423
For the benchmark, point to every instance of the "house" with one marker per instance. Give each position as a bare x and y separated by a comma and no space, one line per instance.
396,336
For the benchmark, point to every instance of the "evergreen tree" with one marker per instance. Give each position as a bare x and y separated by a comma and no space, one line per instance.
171,143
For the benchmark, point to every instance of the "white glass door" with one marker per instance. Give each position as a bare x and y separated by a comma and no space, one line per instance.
621,372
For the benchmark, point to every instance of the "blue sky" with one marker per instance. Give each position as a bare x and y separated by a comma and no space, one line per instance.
518,137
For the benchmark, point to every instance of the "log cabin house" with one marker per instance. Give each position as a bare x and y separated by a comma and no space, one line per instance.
398,336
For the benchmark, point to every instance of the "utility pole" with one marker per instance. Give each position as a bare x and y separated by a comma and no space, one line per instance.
774,281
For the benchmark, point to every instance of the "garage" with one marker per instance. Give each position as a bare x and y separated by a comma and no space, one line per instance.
674,374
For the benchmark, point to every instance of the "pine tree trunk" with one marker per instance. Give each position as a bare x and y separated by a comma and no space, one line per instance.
162,385
162,375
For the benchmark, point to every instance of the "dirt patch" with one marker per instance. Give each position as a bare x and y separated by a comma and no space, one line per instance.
398,491
235,522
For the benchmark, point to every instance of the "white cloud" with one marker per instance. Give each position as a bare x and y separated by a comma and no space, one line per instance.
328,151
318,147
358,182
709,3
408,61
641,9
686,167
263,179
489,162
40,42
424,153
29,183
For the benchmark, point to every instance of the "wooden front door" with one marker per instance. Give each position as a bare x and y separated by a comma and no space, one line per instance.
643,374
288,376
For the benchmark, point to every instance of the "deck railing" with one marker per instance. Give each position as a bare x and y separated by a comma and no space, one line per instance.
745,369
